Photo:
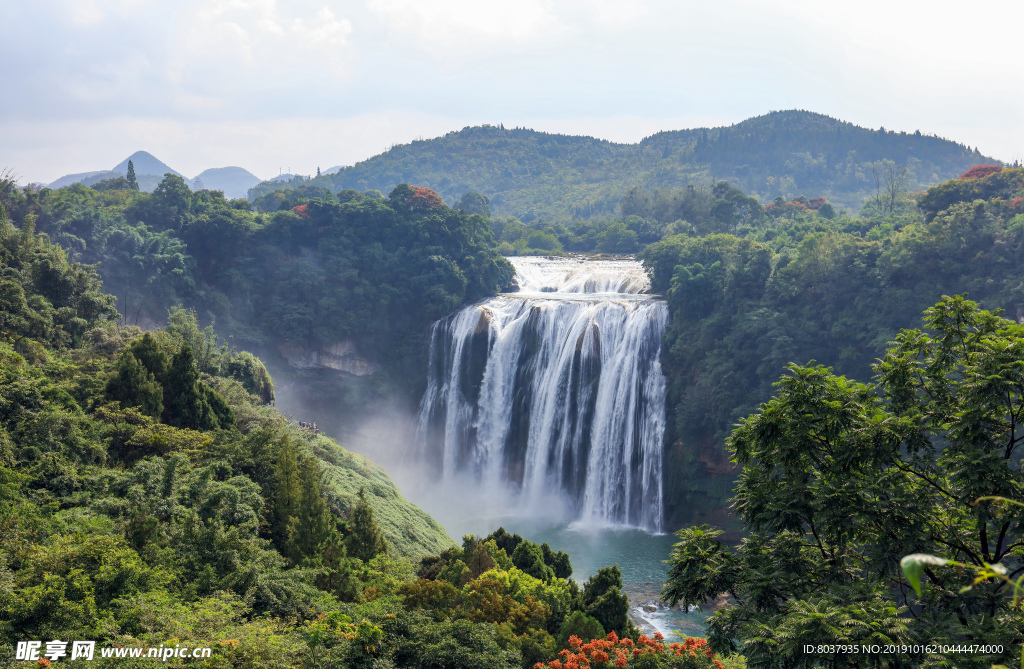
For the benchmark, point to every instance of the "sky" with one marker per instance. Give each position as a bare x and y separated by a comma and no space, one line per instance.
292,86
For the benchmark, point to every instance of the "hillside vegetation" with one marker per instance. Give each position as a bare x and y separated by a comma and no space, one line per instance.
558,178
149,497
801,286
346,284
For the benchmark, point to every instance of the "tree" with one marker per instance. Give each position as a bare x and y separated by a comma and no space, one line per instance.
133,183
890,184
603,599
842,479
301,524
559,561
366,540
529,558
171,201
135,386
636,202
287,493
148,352
189,403
475,203
581,625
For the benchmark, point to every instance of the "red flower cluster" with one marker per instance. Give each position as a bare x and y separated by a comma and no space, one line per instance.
815,202
979,171
1017,204
423,199
302,210
613,651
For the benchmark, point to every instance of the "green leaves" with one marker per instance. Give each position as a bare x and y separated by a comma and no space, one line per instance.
914,566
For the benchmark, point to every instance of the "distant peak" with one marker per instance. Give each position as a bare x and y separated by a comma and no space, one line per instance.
145,162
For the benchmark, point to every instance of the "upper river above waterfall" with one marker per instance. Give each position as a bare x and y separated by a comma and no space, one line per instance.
600,279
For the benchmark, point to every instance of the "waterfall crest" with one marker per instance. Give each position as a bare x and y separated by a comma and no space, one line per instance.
555,388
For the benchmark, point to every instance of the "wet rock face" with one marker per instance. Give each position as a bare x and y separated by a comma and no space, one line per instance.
340,356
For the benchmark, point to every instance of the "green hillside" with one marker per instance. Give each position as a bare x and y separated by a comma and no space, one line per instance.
534,175
798,286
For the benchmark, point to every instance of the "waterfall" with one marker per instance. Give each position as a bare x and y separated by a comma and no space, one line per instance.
557,387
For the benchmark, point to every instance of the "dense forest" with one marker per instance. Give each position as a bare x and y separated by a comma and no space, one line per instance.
801,286
151,497
535,176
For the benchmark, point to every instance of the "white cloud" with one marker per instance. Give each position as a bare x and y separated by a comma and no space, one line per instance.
225,80
261,36
451,27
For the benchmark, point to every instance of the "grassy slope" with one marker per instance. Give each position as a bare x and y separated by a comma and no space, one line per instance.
408,528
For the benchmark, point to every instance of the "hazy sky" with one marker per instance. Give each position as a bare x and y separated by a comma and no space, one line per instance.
271,85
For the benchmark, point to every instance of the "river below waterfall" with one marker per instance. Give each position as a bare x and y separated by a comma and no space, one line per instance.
639,554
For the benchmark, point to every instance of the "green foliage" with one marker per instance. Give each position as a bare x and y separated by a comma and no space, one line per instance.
841,480
529,557
44,299
356,270
135,386
126,530
366,540
253,375
581,625
804,287
116,183
559,562
475,203
191,404
130,181
1004,185
603,599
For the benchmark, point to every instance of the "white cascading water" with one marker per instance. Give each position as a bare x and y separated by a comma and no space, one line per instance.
557,387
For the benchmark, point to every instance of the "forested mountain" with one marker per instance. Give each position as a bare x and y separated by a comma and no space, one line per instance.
534,175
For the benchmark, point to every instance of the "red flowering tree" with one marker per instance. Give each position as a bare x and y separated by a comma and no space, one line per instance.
979,171
692,653
302,210
415,198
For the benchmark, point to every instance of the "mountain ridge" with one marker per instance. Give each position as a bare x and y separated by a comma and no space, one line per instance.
536,175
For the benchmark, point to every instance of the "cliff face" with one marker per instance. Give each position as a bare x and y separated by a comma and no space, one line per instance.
340,356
